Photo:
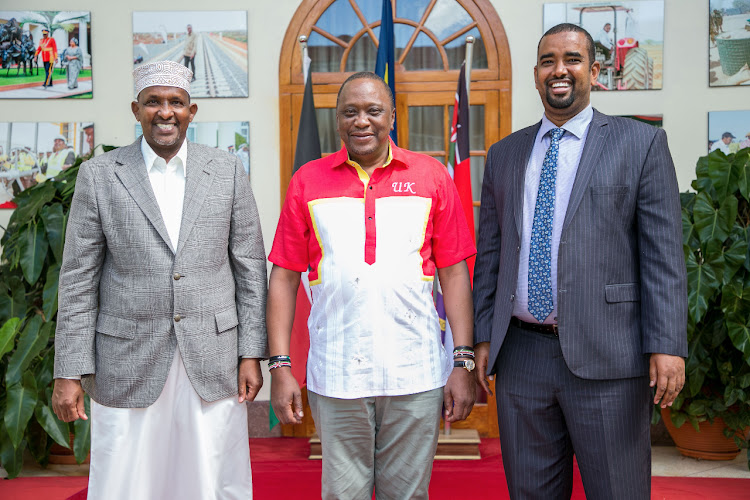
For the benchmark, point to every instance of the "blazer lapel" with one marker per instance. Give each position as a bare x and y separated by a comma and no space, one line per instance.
131,170
199,174
519,172
592,151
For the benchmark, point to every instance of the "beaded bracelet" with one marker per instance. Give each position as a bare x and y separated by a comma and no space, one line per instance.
282,357
463,351
272,365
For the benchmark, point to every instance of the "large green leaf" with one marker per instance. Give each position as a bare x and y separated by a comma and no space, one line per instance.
82,442
741,164
11,456
33,339
31,201
734,258
714,223
739,331
49,294
19,407
698,361
702,285
703,180
8,334
735,299
723,176
33,246
54,224
44,371
689,233
13,305
56,428
38,442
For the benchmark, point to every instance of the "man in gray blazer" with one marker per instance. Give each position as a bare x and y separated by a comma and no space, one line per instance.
580,286
162,295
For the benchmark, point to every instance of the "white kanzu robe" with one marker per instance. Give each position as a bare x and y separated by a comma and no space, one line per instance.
181,447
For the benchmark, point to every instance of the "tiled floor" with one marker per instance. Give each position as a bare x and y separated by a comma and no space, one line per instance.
666,461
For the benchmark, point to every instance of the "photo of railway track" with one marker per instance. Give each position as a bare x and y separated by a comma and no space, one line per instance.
213,44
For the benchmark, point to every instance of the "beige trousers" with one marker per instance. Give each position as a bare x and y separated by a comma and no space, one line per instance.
384,444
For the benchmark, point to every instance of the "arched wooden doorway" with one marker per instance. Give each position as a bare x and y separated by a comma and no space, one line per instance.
342,39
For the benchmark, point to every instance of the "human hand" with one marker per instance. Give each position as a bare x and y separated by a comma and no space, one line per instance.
459,395
67,400
249,379
286,398
481,358
667,374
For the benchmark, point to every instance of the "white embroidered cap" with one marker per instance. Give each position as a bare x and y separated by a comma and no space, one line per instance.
162,73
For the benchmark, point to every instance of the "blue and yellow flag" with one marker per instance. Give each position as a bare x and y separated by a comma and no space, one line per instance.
385,67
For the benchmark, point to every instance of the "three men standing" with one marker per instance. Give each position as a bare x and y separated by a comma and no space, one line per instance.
373,223
162,301
580,286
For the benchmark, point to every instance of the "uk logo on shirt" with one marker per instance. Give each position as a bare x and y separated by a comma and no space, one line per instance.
404,187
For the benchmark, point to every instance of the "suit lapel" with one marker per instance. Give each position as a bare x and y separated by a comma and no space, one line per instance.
131,170
199,174
592,151
519,173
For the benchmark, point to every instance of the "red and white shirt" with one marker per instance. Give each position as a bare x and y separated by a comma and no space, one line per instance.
372,245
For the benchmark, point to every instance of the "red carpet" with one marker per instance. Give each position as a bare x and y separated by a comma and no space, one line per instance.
281,470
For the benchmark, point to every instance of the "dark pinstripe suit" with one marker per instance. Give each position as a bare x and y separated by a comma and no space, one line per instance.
622,294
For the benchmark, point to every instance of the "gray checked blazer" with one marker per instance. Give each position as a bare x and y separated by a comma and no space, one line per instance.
127,298
621,279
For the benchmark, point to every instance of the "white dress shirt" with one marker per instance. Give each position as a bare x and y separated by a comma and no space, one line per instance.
571,148
168,183
603,38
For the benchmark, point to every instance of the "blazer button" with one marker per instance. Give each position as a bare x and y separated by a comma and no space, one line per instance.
512,297
177,318
176,276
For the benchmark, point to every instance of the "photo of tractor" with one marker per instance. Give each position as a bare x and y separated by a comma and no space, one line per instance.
628,40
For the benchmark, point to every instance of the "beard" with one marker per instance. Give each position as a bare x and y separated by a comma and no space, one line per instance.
562,102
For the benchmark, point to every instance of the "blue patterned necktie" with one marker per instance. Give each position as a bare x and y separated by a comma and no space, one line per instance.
540,254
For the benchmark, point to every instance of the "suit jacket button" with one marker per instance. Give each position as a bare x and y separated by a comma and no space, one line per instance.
513,297
176,276
177,318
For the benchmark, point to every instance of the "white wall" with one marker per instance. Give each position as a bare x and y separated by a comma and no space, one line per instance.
684,101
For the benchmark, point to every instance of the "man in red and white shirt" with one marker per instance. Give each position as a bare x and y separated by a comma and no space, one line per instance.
373,223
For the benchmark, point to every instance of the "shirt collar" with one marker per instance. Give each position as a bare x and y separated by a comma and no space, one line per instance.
149,156
394,153
576,125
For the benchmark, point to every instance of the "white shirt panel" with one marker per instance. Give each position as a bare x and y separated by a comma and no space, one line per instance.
569,155
168,183
373,328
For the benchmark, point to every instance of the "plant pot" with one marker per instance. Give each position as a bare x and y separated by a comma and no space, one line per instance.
708,444
60,455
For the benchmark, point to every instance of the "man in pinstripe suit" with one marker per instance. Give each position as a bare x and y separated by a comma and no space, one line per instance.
580,286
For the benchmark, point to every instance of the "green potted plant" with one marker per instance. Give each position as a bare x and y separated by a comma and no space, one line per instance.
716,232
32,248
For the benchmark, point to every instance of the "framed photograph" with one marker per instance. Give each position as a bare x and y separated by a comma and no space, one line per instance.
213,44
45,54
728,131
628,38
655,120
728,43
233,137
31,153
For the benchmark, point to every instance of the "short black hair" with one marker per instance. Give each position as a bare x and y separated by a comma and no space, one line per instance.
568,27
366,75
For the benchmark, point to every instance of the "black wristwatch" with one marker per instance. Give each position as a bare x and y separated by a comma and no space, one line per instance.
467,364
